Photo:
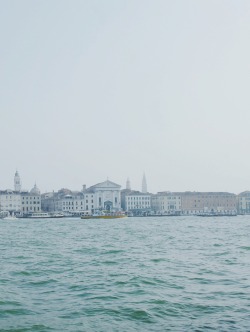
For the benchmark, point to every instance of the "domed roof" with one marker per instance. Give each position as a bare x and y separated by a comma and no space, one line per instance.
35,190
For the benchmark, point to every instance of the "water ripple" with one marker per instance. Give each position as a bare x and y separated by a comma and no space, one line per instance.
138,274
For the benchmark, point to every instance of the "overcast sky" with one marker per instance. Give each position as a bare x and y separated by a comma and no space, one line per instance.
95,89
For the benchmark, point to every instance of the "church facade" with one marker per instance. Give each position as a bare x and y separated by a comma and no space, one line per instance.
106,195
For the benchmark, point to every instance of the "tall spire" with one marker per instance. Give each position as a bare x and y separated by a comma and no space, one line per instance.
144,184
128,186
17,182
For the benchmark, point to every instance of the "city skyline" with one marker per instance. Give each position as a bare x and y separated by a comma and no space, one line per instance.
17,186
93,89
109,196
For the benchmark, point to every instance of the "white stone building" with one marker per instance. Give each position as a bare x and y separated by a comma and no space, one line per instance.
105,195
166,203
18,201
10,201
243,202
73,203
136,201
31,201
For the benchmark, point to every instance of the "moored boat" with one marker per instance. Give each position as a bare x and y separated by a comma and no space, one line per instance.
6,215
217,214
105,215
43,215
10,217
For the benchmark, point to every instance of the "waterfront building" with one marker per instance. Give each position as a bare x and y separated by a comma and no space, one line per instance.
166,203
10,201
124,193
48,202
52,201
31,201
199,202
243,202
105,195
137,202
20,201
73,203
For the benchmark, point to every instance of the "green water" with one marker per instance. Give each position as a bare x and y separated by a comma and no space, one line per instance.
134,274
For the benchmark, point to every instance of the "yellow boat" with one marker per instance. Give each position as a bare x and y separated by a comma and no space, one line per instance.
105,216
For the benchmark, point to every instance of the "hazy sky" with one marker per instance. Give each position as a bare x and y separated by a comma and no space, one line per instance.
96,89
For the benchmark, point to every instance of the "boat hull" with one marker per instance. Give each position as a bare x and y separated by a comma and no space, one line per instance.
103,217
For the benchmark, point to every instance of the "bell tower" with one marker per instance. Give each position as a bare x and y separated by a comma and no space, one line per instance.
128,186
144,184
17,182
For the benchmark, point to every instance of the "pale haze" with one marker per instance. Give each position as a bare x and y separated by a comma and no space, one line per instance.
97,89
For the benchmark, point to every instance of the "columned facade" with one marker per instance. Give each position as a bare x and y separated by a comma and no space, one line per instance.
107,195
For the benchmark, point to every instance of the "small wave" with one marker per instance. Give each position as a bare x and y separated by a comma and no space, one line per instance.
110,263
138,315
33,328
25,273
158,260
245,247
42,282
10,303
15,312
112,251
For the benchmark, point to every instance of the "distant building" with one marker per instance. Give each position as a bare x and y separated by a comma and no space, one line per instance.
73,203
136,202
198,202
107,195
166,203
243,202
19,201
10,201
31,201
52,201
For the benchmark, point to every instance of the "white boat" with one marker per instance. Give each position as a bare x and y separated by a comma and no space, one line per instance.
44,215
217,214
10,218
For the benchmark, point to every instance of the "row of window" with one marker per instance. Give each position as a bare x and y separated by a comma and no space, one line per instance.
169,207
137,205
30,209
170,197
76,208
30,197
76,202
78,197
30,202
165,197
18,197
138,198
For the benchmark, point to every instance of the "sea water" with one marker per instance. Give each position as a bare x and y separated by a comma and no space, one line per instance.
131,274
